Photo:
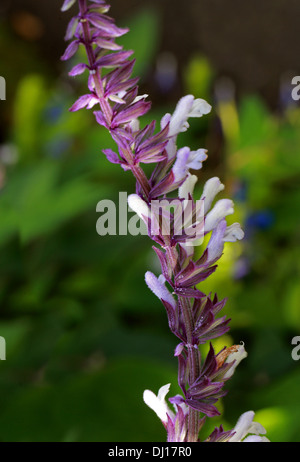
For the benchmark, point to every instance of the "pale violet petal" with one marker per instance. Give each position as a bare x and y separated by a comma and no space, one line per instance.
178,122
211,188
200,107
221,209
171,148
233,233
216,243
157,286
179,168
196,158
67,4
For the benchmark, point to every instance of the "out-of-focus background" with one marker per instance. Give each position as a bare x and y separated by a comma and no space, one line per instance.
84,336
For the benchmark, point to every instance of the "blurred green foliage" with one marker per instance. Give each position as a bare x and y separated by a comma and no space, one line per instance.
84,335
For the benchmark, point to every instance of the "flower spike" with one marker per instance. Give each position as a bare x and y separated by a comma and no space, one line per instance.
176,224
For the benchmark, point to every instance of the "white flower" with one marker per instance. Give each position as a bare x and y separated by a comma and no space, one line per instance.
233,233
214,218
179,168
246,426
215,245
186,107
220,210
139,206
174,423
158,403
178,121
237,356
221,234
200,107
211,188
187,159
196,158
187,187
157,286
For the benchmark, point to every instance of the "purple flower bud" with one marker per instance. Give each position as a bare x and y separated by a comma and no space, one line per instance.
71,50
84,101
71,29
111,156
108,28
113,59
133,111
178,350
101,119
106,44
78,69
67,4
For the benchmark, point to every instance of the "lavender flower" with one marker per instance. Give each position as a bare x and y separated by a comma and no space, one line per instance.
193,316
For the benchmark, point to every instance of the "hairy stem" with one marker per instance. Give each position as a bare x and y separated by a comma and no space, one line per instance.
193,356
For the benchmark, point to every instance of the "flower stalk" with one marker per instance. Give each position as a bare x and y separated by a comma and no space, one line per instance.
192,315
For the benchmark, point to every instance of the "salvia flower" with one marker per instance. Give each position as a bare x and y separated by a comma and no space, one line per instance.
245,426
187,107
175,421
175,224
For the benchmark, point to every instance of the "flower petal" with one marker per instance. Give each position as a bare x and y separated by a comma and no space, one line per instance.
200,107
139,206
242,426
246,425
233,233
67,4
237,357
211,188
221,209
158,403
157,286
178,122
